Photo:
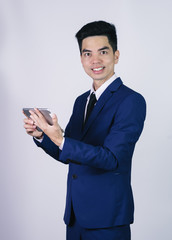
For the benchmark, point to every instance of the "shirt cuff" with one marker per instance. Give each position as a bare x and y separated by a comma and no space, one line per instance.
62,144
39,139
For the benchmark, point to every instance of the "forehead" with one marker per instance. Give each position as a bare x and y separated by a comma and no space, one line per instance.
95,43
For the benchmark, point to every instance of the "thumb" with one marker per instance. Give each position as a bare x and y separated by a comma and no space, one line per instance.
54,119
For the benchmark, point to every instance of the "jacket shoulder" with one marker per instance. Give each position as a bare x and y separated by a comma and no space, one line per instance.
83,95
125,91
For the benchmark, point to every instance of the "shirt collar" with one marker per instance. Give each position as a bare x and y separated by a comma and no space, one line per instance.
102,88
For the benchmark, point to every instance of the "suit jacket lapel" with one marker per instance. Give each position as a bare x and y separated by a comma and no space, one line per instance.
101,102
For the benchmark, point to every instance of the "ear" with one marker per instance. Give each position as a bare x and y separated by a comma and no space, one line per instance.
116,55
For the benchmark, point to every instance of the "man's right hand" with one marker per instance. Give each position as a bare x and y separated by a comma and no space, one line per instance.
30,128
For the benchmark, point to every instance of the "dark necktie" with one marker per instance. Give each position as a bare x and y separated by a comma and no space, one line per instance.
90,106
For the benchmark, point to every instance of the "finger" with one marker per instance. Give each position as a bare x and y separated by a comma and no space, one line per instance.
32,113
54,119
30,130
27,126
33,116
39,114
28,121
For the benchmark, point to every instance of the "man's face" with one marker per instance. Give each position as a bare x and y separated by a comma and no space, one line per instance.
98,59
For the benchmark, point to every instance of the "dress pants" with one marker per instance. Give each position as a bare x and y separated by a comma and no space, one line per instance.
75,232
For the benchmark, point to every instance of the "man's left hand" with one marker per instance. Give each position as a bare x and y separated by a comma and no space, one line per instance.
54,132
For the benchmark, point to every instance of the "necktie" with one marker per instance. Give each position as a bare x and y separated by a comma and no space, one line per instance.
90,106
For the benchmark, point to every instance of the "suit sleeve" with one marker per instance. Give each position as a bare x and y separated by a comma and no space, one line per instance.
49,147
118,147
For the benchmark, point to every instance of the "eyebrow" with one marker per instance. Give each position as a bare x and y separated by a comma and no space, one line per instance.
86,50
100,49
103,48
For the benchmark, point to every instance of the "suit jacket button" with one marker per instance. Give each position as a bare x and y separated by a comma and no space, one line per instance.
74,176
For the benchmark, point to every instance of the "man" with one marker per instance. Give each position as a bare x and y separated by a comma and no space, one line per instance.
98,143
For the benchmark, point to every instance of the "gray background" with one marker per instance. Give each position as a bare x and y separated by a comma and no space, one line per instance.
39,64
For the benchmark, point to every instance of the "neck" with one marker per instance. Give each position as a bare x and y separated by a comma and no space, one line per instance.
99,83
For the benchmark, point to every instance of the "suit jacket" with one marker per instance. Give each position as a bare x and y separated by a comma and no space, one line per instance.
99,157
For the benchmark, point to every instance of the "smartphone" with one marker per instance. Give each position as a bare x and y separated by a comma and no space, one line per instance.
46,113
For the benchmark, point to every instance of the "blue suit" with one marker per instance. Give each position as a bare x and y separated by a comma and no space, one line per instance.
99,155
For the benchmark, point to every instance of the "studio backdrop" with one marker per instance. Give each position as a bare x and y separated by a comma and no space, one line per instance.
40,67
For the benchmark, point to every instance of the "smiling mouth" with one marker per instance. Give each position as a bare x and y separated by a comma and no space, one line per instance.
97,69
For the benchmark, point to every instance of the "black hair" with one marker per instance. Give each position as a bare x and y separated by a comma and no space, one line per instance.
98,28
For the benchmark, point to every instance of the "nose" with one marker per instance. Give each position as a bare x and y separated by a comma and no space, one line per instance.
95,59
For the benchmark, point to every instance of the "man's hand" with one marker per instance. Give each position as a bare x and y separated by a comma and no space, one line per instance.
54,132
30,128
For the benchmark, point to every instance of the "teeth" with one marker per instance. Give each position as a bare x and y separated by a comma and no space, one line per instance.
97,69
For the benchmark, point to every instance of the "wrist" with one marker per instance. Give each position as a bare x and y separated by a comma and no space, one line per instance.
40,137
58,141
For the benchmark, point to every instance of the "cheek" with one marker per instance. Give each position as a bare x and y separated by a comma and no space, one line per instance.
111,62
85,67
85,64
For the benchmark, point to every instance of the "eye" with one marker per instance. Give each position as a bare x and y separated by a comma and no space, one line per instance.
103,52
87,54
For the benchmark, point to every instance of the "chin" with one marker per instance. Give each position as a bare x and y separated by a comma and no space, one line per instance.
99,78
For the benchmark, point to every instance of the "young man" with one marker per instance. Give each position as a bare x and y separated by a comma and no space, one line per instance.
98,143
